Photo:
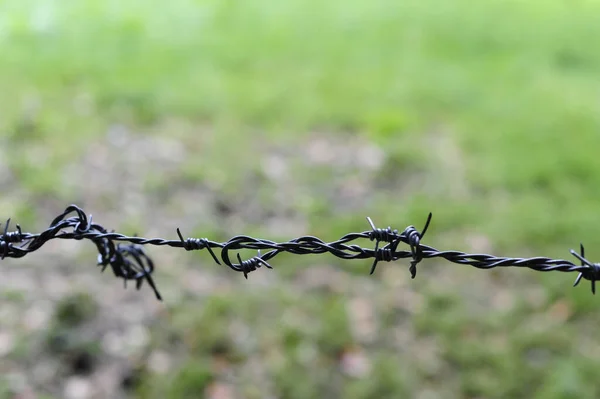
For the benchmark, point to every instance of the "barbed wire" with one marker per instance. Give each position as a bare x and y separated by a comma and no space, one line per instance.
128,260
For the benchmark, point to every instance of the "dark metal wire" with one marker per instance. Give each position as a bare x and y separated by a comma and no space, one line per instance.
129,261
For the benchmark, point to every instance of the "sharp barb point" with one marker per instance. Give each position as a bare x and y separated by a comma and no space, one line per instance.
373,267
371,223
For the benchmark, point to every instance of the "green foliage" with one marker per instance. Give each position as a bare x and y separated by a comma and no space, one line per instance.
190,381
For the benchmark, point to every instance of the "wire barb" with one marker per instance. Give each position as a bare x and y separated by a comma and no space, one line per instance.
9,237
126,257
196,244
591,271
414,240
250,265
388,235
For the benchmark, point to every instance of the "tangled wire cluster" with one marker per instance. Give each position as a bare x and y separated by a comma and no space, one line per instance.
129,261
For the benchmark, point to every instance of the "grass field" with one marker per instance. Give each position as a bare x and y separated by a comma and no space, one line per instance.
281,119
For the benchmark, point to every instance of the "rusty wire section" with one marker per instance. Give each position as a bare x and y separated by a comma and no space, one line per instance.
127,259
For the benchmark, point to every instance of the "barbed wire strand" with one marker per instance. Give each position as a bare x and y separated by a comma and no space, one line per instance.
126,256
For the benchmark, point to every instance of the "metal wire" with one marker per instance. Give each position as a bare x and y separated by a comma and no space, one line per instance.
128,260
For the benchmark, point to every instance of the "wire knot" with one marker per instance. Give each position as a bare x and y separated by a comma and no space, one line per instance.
250,265
413,236
244,266
378,235
385,254
192,244
591,272
7,238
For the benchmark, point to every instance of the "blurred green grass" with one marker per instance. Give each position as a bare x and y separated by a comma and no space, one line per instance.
515,85
509,88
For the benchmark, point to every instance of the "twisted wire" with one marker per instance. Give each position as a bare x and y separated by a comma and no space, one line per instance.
126,256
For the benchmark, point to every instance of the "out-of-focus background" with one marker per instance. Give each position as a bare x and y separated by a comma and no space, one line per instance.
281,119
